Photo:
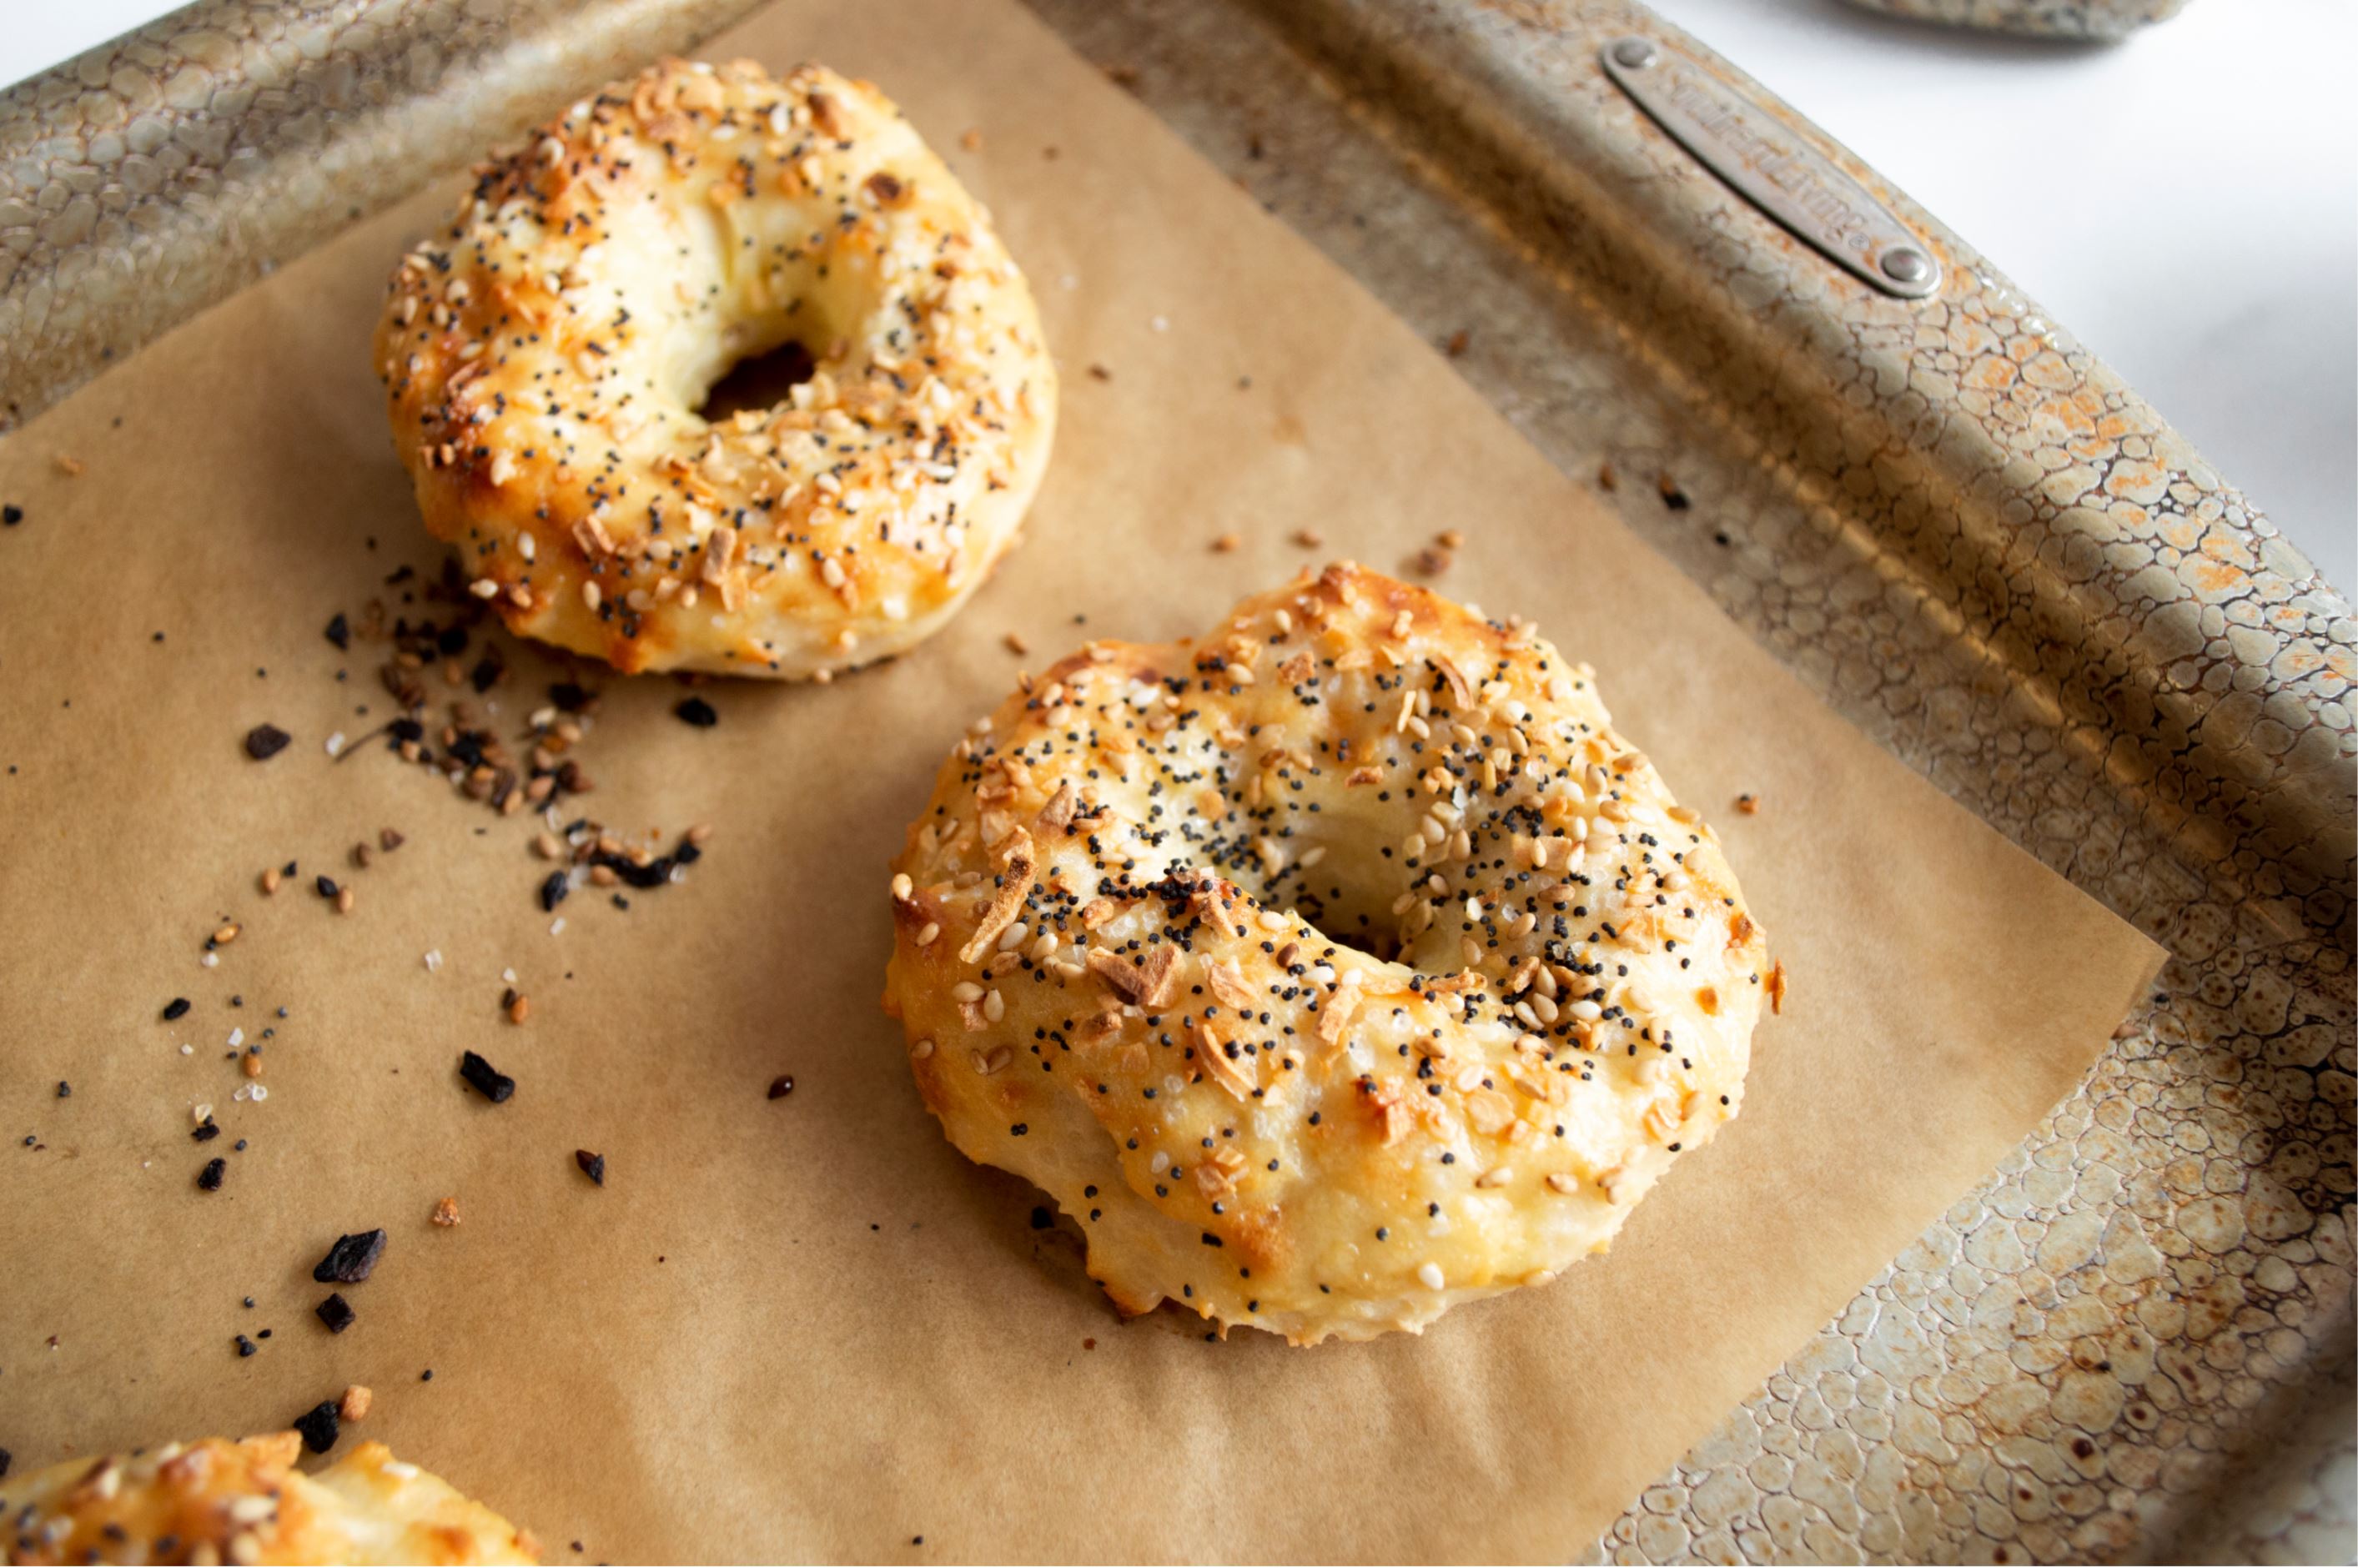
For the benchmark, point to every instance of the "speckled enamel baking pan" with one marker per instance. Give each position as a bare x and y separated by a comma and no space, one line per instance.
2135,1340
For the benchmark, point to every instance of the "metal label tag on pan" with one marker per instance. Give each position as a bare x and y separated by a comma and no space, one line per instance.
1765,163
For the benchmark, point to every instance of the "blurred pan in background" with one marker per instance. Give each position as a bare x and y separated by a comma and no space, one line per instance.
2096,19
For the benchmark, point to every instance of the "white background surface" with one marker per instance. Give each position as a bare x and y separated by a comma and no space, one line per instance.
2186,202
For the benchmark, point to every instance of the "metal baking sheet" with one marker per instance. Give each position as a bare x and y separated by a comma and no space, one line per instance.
2135,1340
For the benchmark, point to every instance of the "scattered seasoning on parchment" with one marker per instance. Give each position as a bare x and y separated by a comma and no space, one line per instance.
1227,544
65,1090
1455,347
245,1346
781,1086
536,772
645,873
1099,372
357,1401
1606,478
351,1259
1749,803
464,748
1673,496
318,1426
11,514
1016,644
485,1079
335,1313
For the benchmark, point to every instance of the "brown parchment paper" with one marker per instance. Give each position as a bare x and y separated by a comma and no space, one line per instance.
806,1327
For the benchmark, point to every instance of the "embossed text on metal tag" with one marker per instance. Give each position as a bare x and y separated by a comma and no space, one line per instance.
1771,167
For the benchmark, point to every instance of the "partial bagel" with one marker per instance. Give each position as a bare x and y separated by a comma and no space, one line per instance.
1330,970
217,1501
546,353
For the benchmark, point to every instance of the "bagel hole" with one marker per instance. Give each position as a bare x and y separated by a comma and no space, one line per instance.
758,381
1347,897
1341,918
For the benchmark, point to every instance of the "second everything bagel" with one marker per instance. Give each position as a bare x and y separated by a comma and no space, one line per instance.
1330,969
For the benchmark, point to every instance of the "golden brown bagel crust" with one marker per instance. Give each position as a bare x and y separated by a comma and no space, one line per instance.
1106,966
218,1501
545,353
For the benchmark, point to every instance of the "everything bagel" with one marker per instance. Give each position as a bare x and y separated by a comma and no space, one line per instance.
1330,970
545,355
217,1501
